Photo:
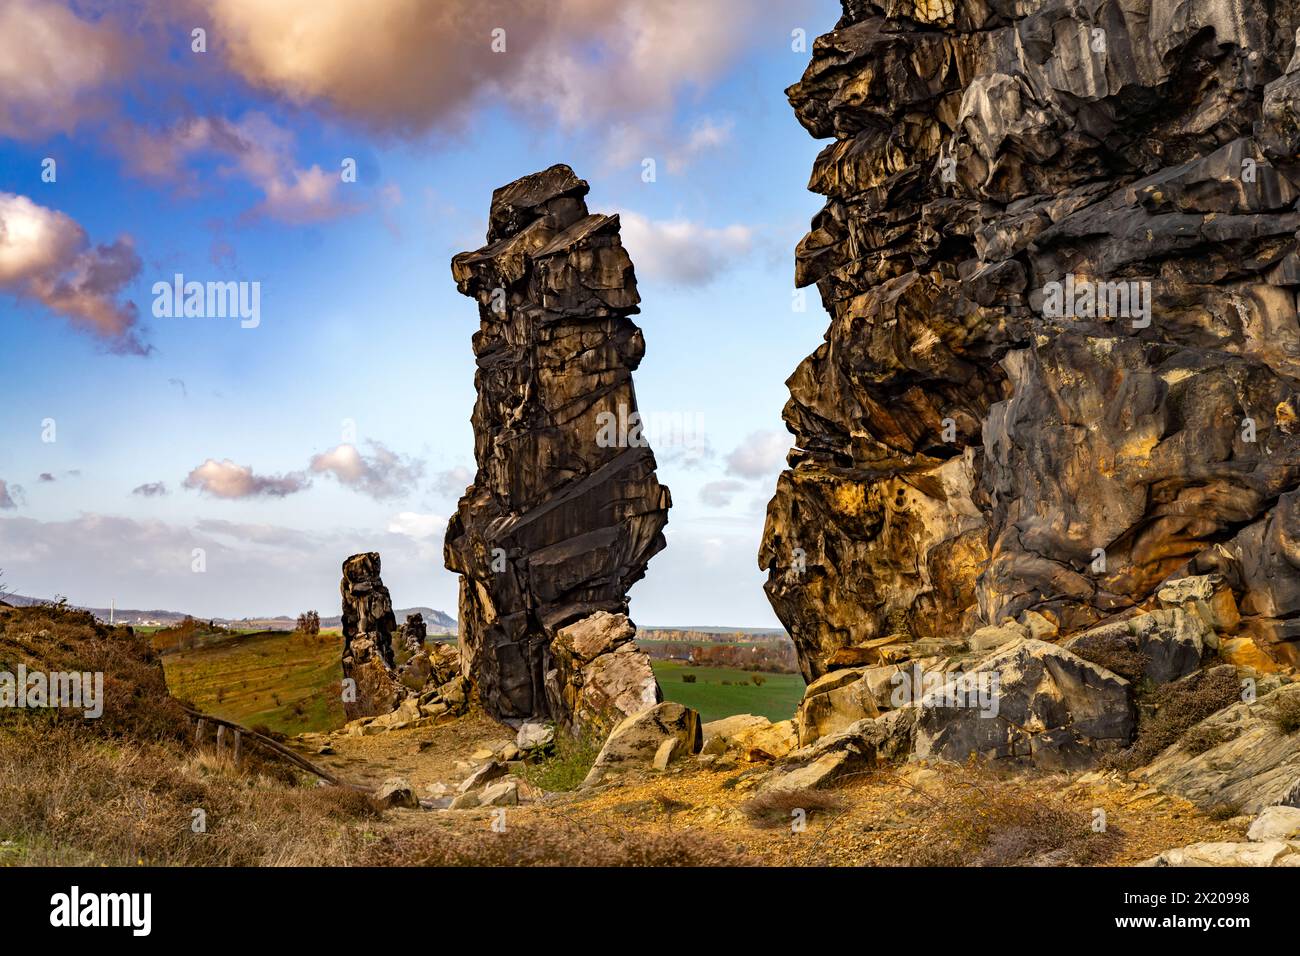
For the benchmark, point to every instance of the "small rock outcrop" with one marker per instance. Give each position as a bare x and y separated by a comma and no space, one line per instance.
368,628
565,511
414,633
1059,255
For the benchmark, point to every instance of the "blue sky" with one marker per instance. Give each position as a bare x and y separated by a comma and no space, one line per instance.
224,165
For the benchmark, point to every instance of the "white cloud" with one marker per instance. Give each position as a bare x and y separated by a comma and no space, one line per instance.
45,255
680,251
760,455
52,68
412,524
381,474
225,479
705,135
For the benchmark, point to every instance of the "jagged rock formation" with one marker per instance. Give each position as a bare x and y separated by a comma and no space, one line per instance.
368,627
1059,254
565,510
414,633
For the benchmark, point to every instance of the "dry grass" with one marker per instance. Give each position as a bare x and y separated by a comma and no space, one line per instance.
557,842
771,810
981,820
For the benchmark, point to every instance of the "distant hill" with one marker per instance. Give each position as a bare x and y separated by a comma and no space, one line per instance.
437,621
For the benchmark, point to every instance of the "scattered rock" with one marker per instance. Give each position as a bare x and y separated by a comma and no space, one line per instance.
1265,854
503,794
489,771
396,792
534,736
1275,823
464,801
1030,701
1170,642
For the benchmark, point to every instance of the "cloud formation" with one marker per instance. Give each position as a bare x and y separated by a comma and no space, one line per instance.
45,255
151,489
760,455
718,494
7,502
53,68
453,482
253,149
406,66
381,474
682,252
225,479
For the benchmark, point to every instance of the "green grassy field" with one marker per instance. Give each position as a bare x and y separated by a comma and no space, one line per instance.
272,678
776,699
290,684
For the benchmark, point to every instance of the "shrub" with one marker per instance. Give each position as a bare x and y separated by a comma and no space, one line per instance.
1173,710
688,678
1286,713
987,823
758,679
567,765
1201,738
1113,653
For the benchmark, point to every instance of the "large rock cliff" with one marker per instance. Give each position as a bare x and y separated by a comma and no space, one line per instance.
565,510
1059,255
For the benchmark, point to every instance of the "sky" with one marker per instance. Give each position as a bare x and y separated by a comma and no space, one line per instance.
335,162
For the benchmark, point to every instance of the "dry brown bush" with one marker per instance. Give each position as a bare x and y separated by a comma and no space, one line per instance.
982,820
1173,710
772,810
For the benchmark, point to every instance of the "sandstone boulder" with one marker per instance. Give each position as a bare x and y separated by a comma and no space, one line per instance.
1170,643
1029,701
636,740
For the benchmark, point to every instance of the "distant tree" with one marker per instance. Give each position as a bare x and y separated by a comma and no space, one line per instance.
758,679
308,623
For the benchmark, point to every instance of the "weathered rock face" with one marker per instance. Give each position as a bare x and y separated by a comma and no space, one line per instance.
1059,254
368,627
565,510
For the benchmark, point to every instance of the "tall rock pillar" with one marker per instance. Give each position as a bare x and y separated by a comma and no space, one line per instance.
565,510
